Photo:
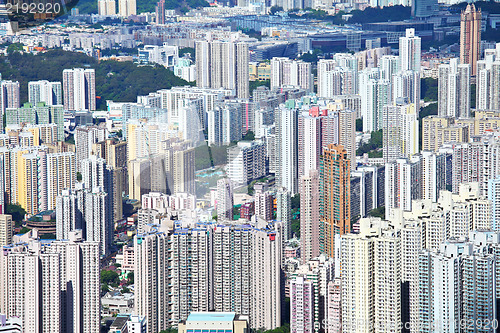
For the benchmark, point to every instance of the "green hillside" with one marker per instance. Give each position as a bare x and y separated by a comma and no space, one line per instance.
118,81
143,6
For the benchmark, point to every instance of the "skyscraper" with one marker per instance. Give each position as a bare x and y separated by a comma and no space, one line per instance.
301,303
287,72
488,80
400,132
409,51
402,183
9,95
454,89
160,12
335,196
6,229
223,64
246,162
45,91
470,37
106,7
263,202
224,199
286,147
85,137
60,279
310,218
127,8
371,279
283,211
494,197
79,88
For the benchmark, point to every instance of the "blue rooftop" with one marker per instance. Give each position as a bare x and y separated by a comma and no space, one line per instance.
211,316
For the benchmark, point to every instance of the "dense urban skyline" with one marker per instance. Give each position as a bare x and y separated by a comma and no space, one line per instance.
251,166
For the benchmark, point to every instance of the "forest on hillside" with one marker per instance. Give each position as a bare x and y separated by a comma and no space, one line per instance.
117,81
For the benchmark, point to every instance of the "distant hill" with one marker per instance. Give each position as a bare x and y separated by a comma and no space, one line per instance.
143,6
118,81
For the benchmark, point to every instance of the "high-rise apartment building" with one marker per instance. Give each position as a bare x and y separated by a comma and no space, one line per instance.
371,279
310,216
488,80
437,131
79,88
459,278
316,129
400,132
263,202
45,91
319,271
284,211
402,183
470,37
60,279
334,306
206,267
454,90
246,162
9,95
127,8
224,199
160,12
223,64
494,198
409,51
406,86
292,73
286,147
334,80
85,137
60,173
301,305
39,114
375,94
335,196
6,229
106,7
151,279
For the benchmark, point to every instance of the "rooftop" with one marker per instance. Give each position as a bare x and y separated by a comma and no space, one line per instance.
211,316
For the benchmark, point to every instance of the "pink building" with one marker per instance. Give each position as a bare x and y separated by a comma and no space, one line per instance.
333,307
301,306
292,252
128,258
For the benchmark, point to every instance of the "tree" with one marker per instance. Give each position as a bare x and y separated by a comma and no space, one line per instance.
296,227
359,125
275,9
375,143
249,136
429,90
109,277
170,330
188,50
130,277
378,212
254,84
295,201
16,211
